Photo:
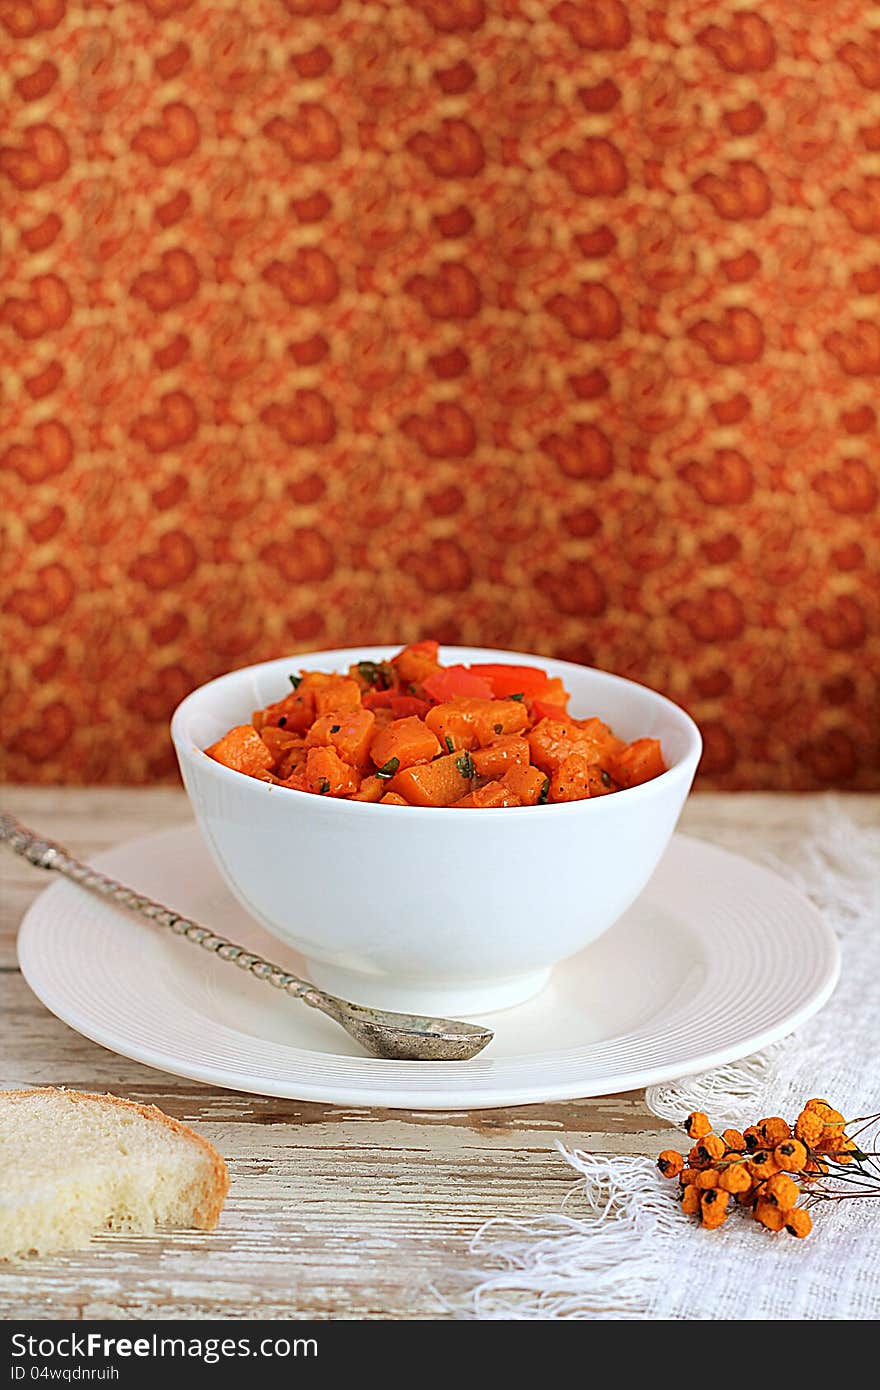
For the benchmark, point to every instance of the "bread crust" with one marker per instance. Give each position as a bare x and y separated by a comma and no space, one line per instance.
209,1212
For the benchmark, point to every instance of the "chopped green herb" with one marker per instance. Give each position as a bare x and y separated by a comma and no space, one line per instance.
499,728
323,786
465,765
388,769
518,696
545,791
449,744
411,688
282,721
334,728
370,671
294,680
606,780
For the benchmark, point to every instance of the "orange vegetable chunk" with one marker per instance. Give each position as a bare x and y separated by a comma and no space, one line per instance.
328,775
297,780
550,743
280,741
295,712
371,789
638,762
243,750
503,752
572,779
439,783
340,693
526,782
416,663
598,736
475,723
349,731
294,760
392,799
553,740
492,795
554,692
408,740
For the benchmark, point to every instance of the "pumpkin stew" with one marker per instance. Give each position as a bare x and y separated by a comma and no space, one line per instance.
410,732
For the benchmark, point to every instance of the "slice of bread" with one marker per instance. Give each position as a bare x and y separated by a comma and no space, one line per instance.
73,1164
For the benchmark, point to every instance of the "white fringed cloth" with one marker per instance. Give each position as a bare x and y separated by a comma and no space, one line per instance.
621,1248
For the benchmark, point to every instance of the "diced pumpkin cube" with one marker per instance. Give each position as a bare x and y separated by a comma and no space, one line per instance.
571,780
280,741
550,743
328,775
542,709
349,731
529,783
553,740
439,783
295,712
492,795
293,760
340,693
243,750
578,777
408,741
638,762
593,734
416,663
453,725
511,715
503,752
371,789
472,723
393,799
297,780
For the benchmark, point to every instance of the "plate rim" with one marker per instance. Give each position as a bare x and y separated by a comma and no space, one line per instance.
369,1093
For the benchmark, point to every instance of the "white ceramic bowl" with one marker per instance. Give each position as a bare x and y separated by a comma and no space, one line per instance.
433,909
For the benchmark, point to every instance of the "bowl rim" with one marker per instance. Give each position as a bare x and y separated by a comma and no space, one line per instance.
186,747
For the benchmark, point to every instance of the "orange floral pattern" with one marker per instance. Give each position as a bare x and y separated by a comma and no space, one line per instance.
548,324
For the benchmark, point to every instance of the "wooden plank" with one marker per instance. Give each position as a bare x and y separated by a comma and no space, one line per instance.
333,1211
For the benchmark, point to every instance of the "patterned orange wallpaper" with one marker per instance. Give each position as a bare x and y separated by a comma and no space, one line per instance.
538,323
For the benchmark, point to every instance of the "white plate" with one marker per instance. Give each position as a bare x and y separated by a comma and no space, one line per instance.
716,959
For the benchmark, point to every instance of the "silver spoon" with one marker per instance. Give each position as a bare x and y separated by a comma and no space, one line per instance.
407,1037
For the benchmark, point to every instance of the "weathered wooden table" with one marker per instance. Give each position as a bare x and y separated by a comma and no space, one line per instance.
332,1212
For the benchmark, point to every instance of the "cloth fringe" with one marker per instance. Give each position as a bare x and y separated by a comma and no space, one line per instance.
628,1238
560,1266
727,1094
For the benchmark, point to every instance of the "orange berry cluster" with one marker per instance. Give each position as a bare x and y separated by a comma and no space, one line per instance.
765,1169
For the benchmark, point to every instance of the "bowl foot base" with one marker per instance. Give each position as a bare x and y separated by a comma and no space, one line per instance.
412,996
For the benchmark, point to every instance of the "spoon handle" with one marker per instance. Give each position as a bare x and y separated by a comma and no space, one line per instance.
45,854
